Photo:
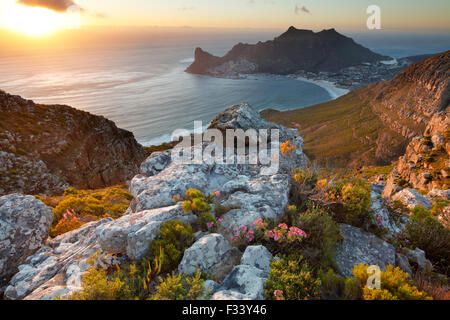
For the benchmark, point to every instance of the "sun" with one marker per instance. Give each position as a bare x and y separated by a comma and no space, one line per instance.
32,21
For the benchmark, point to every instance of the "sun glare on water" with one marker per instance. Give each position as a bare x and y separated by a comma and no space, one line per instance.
32,21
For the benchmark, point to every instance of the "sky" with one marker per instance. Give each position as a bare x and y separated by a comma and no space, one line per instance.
310,14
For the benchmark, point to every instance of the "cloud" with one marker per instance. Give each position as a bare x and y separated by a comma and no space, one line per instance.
302,9
55,5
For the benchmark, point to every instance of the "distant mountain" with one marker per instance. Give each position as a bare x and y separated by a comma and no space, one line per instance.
46,148
374,125
293,51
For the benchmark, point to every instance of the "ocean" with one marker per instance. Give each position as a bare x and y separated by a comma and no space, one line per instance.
143,88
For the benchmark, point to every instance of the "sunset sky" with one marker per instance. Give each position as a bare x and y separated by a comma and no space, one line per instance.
28,16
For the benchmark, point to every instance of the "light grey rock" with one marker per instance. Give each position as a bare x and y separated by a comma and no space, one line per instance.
411,198
211,254
155,163
361,247
58,266
402,262
381,213
24,225
244,282
210,287
258,257
133,233
418,256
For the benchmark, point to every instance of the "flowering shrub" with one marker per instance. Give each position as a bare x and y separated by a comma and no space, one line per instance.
291,280
287,149
199,204
318,248
70,221
395,285
354,196
283,233
90,205
243,236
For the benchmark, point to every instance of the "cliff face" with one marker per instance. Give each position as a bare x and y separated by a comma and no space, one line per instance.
294,50
46,148
375,124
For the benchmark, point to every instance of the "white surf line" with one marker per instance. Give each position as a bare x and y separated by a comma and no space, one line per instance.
329,86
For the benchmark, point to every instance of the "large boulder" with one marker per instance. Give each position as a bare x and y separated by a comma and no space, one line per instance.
359,247
133,233
244,282
411,198
24,225
248,190
258,257
211,254
56,268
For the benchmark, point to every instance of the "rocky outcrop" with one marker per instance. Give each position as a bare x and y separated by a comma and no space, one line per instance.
246,188
211,254
46,148
24,225
411,198
252,193
361,247
293,51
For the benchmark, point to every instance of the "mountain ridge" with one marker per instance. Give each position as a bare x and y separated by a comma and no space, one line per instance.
294,50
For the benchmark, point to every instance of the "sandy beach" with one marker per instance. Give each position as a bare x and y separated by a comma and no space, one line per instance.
329,86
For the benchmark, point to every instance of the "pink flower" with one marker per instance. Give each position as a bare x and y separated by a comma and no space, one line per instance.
217,193
220,220
277,293
283,226
210,225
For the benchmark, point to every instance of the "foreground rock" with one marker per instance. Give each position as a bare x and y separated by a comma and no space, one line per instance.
246,281
211,254
57,268
24,225
362,247
250,191
59,146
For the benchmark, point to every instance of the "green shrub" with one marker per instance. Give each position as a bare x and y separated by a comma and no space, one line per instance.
427,233
96,285
180,287
130,283
322,234
395,285
336,287
438,206
291,279
306,178
174,238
